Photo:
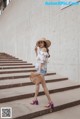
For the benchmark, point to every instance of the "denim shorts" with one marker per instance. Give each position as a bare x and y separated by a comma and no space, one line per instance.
43,72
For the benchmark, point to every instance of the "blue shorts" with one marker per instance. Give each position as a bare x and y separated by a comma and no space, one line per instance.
42,72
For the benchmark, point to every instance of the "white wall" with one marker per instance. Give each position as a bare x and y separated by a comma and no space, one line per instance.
25,21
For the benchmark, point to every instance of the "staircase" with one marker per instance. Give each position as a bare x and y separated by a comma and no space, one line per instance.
17,91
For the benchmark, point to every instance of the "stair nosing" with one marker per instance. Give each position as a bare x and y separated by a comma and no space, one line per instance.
15,64
21,76
4,62
17,71
17,67
47,111
29,83
29,95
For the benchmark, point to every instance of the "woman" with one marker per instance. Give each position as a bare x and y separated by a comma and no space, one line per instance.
42,53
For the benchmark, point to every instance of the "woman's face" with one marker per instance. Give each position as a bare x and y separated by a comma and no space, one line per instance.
41,44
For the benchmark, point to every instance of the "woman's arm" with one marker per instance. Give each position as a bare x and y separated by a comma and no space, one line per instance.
36,50
43,59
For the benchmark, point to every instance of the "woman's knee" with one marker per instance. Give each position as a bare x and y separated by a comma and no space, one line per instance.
44,84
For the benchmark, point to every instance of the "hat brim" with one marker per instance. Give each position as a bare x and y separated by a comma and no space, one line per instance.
48,42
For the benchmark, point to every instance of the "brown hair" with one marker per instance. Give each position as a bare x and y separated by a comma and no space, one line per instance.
45,45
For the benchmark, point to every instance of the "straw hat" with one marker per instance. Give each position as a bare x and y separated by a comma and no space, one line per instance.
48,42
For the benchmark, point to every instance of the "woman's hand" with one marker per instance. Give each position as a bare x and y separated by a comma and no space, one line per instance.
36,50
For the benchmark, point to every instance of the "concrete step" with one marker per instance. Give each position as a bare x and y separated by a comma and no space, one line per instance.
22,109
13,64
17,71
5,62
12,61
4,84
7,59
4,55
68,113
18,93
18,75
20,69
16,67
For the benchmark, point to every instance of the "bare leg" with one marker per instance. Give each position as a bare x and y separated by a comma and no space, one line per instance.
35,101
37,91
50,105
46,90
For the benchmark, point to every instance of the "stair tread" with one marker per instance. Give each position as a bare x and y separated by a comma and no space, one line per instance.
16,74
21,69
23,107
16,66
6,93
70,113
26,80
18,61
10,59
13,62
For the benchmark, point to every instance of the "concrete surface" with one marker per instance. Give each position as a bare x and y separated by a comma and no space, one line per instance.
5,93
70,113
23,107
23,27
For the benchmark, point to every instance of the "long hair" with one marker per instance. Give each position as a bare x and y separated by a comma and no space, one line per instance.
45,45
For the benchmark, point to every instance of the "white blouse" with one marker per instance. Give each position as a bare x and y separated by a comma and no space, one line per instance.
42,57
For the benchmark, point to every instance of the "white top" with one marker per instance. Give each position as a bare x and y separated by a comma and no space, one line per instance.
42,57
